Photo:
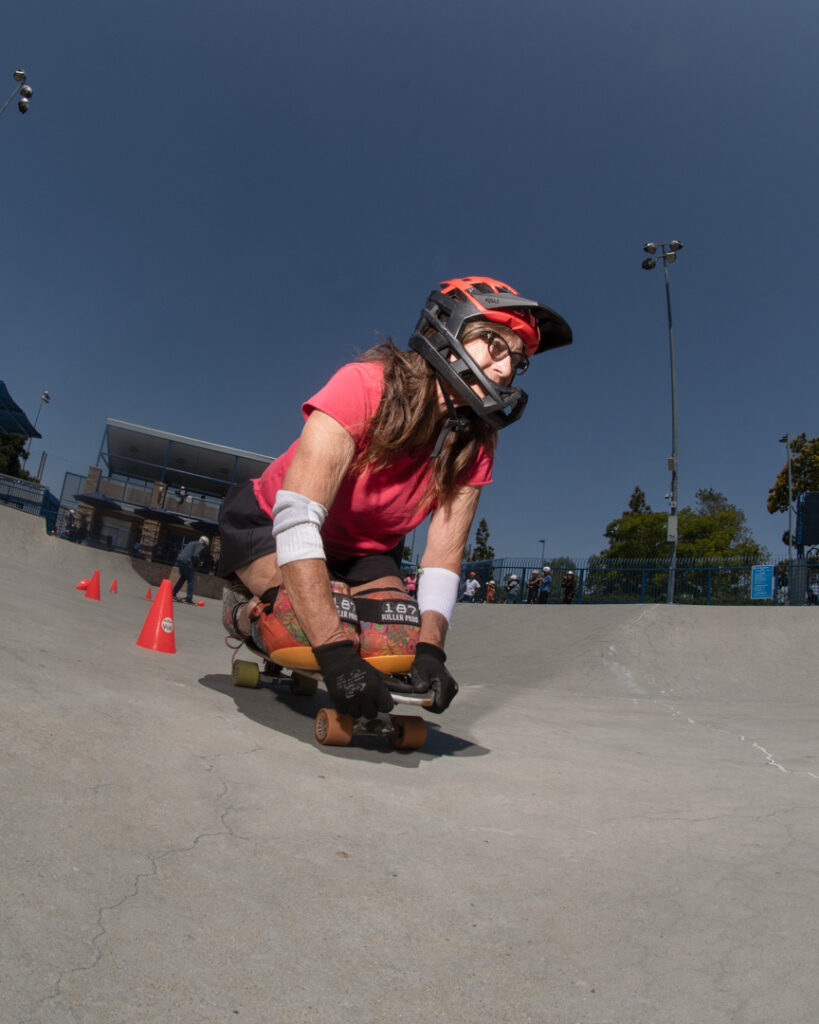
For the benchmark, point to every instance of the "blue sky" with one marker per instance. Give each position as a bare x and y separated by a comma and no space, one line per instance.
211,206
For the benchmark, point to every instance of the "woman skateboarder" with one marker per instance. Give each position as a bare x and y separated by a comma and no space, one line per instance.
389,440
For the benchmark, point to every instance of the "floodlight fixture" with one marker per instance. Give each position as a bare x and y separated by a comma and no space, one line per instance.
24,91
649,263
675,246
650,248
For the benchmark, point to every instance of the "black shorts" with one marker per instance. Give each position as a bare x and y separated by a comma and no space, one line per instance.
246,533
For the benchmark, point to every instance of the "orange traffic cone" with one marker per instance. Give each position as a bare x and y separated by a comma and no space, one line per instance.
148,595
113,587
82,585
93,589
157,633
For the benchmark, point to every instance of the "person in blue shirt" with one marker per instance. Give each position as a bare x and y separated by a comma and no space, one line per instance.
545,585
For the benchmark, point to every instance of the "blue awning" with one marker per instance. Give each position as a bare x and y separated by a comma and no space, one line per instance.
159,514
98,500
12,418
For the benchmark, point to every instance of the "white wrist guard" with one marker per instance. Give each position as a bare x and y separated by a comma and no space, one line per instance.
297,523
438,591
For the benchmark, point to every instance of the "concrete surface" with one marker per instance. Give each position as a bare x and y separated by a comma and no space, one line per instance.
615,823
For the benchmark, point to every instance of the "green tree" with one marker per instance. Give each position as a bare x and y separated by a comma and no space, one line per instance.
804,473
713,529
11,455
716,529
638,533
482,551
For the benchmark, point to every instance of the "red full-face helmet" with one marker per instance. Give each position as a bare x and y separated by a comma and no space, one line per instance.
464,299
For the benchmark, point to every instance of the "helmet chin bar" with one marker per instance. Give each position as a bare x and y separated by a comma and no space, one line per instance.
499,406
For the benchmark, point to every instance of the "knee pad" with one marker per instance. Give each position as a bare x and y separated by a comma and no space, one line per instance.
389,624
279,633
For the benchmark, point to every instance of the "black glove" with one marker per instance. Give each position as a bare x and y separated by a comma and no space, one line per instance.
429,673
355,687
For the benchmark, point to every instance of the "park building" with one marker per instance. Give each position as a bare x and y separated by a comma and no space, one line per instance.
149,493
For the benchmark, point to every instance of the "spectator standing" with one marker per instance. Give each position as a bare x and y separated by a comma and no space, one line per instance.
533,587
569,588
491,590
186,562
545,585
472,588
512,589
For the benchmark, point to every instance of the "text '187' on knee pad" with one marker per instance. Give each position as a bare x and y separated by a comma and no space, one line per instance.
389,623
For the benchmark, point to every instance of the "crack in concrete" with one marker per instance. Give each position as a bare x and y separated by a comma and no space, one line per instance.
155,858
770,759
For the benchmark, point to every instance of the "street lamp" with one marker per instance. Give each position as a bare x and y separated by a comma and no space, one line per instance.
786,440
25,91
668,254
542,543
45,398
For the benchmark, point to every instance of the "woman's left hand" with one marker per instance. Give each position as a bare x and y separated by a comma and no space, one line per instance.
430,673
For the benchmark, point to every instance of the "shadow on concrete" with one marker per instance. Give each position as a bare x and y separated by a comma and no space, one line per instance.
273,706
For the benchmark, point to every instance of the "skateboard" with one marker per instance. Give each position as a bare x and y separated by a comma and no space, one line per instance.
332,728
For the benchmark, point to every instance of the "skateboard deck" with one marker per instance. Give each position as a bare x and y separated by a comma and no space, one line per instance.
333,728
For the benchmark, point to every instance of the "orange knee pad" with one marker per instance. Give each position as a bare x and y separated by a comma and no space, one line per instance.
383,624
388,627
279,632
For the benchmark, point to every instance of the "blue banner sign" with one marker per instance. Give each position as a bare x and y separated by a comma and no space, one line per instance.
762,582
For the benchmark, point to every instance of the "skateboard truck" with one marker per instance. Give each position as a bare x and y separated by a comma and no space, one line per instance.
333,728
405,732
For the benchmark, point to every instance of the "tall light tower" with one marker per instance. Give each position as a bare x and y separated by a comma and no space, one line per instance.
45,398
668,254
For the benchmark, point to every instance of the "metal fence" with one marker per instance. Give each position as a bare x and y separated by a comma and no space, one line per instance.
29,496
133,491
632,581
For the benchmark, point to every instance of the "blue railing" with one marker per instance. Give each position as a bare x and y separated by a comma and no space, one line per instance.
644,581
29,496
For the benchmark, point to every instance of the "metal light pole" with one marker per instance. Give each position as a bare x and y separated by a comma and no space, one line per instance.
542,543
668,254
787,441
26,92
45,398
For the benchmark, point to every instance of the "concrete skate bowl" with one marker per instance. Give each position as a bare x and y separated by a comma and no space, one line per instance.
640,651
608,651
24,541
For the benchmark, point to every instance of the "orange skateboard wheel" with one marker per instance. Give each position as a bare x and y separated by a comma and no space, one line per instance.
333,729
409,732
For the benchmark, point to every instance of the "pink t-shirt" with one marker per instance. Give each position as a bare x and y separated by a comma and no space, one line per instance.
372,510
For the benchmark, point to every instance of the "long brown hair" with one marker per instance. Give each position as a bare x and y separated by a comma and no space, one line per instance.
407,419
